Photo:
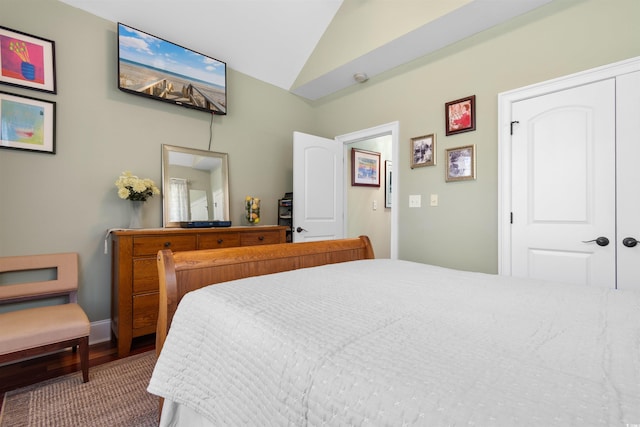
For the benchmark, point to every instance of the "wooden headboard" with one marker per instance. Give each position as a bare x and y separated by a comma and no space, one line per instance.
186,271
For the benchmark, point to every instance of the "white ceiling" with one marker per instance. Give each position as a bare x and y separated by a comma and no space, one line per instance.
271,40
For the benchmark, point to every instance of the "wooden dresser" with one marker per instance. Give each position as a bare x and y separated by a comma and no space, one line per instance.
134,275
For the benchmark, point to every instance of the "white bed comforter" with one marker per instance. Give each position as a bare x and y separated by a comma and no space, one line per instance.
393,343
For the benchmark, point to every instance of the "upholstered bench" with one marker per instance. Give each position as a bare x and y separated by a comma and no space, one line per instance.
34,331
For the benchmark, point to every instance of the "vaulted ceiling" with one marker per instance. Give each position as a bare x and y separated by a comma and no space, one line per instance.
310,47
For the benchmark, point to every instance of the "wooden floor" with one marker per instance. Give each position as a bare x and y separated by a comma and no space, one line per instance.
21,374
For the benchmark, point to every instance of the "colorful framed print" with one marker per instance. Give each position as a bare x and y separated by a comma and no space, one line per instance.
365,168
27,123
461,163
423,151
460,115
27,61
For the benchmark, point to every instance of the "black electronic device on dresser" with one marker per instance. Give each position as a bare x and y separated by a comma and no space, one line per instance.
285,214
204,224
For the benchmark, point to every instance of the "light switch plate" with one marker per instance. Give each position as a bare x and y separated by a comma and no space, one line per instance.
415,201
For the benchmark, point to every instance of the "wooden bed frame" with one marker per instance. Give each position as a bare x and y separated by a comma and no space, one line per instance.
186,271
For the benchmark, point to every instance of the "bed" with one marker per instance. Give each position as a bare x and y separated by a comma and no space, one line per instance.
321,333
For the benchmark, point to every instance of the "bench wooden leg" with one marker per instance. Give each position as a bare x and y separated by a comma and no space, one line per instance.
84,358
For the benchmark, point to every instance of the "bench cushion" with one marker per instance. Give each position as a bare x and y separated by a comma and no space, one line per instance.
35,327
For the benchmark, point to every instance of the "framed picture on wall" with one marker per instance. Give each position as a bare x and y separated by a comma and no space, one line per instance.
27,123
27,61
365,168
387,183
423,151
461,163
460,115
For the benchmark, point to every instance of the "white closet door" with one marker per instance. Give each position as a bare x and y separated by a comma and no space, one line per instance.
628,170
563,185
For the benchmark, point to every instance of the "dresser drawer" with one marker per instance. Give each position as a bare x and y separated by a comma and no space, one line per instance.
145,312
218,240
259,238
145,275
150,245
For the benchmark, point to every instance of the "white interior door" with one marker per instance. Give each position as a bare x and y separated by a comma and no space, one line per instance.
218,206
318,192
628,194
563,185
199,207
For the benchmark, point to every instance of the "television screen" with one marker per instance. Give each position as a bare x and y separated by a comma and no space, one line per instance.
152,67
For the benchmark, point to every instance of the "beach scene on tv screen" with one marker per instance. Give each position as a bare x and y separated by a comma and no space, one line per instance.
152,66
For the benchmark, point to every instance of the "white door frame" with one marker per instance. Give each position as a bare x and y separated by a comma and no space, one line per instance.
392,129
505,100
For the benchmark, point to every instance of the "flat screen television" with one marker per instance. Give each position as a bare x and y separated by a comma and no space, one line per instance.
155,68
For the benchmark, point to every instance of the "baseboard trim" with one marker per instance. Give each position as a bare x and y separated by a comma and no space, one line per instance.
100,331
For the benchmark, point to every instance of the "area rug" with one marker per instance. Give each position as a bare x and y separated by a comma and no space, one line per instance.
115,395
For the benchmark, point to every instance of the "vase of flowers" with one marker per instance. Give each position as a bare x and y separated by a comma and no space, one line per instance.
252,210
138,190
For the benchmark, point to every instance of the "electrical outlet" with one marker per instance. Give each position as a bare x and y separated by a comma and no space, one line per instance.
415,201
374,205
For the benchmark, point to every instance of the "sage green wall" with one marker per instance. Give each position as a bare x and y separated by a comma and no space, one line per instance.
561,38
67,201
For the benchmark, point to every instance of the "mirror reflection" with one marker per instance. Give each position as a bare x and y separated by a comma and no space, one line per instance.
195,185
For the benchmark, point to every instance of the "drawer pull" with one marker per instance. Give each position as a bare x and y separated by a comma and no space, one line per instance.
261,238
220,241
167,244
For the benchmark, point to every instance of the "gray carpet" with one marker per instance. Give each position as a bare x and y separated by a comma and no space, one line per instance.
114,396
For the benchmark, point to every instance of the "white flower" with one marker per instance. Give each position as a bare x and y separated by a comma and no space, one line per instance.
133,188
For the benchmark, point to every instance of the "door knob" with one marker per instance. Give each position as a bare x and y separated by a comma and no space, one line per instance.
629,242
300,229
600,241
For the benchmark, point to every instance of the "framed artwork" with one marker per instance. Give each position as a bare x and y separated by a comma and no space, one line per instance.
27,61
423,151
27,123
460,115
461,163
365,168
387,183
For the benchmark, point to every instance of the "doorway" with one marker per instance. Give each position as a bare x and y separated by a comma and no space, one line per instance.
368,212
388,131
312,215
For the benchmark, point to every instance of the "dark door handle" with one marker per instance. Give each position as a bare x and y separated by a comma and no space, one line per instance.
600,241
629,242
300,229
